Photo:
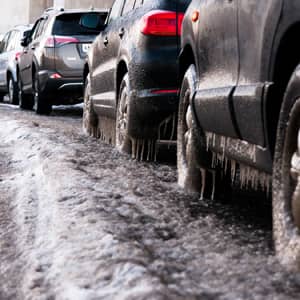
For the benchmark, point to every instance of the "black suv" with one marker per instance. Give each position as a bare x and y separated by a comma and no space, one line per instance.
10,50
131,78
240,104
51,64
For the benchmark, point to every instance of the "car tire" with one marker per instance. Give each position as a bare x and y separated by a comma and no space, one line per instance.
2,97
189,142
25,100
123,141
41,103
286,178
13,91
89,119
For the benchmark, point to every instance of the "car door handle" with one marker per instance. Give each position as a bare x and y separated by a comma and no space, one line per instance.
121,32
105,41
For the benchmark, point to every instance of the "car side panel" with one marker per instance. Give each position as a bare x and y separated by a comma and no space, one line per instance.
217,65
257,21
105,59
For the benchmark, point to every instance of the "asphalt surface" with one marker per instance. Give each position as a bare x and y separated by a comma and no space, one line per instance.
81,221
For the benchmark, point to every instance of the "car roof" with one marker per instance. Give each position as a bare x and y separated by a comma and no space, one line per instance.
22,27
60,11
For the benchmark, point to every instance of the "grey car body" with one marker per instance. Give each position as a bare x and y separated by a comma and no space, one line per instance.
10,49
238,104
51,64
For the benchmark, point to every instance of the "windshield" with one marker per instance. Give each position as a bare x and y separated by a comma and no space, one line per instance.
69,24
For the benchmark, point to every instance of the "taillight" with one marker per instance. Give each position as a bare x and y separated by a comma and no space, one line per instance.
56,41
163,23
55,76
17,55
158,92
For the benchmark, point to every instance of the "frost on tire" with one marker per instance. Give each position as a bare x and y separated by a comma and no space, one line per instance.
90,120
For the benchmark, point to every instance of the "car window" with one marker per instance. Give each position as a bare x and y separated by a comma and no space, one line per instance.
4,42
12,41
69,24
115,10
41,28
19,35
35,32
129,5
138,3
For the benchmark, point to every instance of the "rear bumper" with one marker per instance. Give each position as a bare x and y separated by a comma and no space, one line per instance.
63,90
150,111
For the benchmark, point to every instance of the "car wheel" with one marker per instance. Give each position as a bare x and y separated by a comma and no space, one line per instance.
25,100
190,174
2,97
13,93
123,142
90,119
41,103
286,179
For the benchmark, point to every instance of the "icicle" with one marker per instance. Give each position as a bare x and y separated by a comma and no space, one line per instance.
212,197
148,150
173,127
143,148
233,169
214,140
133,148
155,150
203,182
226,165
209,136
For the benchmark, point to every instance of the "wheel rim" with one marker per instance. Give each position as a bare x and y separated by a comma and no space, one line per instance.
295,179
10,90
122,119
35,94
186,127
87,108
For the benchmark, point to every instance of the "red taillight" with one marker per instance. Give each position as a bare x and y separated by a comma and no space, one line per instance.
59,40
157,92
17,55
55,76
164,23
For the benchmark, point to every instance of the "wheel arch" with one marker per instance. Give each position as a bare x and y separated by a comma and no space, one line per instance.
286,59
186,58
122,69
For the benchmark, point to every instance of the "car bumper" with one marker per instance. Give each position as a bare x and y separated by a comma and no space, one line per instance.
149,111
61,90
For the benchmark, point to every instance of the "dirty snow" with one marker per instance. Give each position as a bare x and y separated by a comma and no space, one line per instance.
81,221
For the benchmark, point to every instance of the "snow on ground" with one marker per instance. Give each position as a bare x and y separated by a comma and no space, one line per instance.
81,221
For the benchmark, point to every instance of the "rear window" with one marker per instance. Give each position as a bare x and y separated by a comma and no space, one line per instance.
69,24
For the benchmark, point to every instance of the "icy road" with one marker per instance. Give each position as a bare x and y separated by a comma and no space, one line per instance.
81,221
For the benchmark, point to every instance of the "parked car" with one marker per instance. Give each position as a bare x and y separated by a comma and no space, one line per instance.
131,76
51,65
239,104
10,50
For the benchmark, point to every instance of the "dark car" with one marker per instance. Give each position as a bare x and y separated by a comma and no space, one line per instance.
10,50
239,107
131,78
51,65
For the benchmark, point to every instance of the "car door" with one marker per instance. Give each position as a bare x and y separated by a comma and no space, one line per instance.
27,56
257,21
217,64
4,59
105,54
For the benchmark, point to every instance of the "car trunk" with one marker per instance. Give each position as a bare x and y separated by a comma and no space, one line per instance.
72,41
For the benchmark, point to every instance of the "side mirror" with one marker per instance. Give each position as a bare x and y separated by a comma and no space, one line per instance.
24,42
26,38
